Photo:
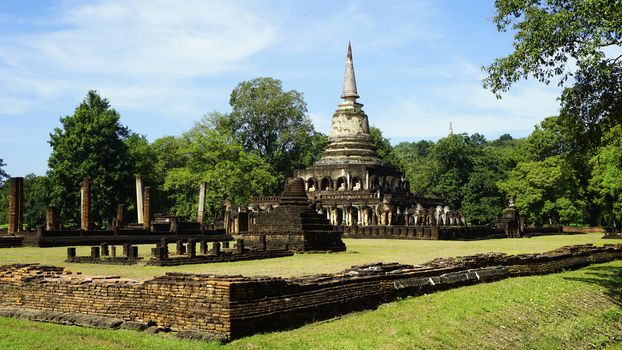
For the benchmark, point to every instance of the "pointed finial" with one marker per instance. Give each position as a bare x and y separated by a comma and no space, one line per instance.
349,80
451,129
349,56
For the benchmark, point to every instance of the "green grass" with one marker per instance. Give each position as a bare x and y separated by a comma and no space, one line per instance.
572,310
360,251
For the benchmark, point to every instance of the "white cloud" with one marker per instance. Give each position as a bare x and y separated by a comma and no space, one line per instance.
119,45
470,109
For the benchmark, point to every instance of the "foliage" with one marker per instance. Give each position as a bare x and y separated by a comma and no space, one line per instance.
36,197
571,41
483,201
271,123
454,158
546,191
606,181
227,169
383,147
414,158
91,143
546,140
4,203
3,173
549,35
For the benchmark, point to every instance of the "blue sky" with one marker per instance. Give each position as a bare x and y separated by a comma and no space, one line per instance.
164,64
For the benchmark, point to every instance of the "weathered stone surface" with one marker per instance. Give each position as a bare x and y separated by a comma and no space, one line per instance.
293,224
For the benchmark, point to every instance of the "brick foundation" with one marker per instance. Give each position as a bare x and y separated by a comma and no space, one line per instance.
232,307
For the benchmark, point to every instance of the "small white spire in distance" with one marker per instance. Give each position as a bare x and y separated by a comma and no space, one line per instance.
451,129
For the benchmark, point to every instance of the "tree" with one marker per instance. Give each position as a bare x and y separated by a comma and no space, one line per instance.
546,191
454,159
549,37
3,174
36,198
415,159
383,147
606,181
228,170
91,143
483,202
548,34
269,122
546,140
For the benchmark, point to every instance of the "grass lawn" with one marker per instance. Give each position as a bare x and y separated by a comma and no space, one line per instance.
360,251
572,310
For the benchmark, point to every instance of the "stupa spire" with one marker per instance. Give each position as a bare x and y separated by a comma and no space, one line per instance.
349,80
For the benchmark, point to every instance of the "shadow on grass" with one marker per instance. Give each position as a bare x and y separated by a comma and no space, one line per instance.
609,277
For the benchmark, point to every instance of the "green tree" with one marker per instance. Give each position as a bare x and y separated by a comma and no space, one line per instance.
90,143
606,181
546,140
483,200
271,123
546,191
228,170
453,156
383,147
549,36
36,197
3,174
415,159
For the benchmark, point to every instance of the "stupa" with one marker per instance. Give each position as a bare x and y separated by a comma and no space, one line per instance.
293,224
350,183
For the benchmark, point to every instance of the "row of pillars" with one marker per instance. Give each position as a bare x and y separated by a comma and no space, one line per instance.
143,207
189,250
104,250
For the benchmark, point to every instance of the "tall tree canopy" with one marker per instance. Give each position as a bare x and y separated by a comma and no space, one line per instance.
606,181
551,34
556,40
228,170
90,143
271,123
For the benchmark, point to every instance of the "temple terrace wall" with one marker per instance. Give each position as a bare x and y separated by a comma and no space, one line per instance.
437,232
230,307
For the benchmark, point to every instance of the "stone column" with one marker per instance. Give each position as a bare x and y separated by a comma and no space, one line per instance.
50,219
216,248
16,208
95,253
86,221
20,216
120,217
139,199
146,209
201,211
239,246
192,248
71,253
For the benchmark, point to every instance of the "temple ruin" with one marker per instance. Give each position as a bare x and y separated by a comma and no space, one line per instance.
352,186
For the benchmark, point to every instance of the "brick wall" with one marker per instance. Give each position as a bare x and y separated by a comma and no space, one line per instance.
435,232
233,307
176,301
